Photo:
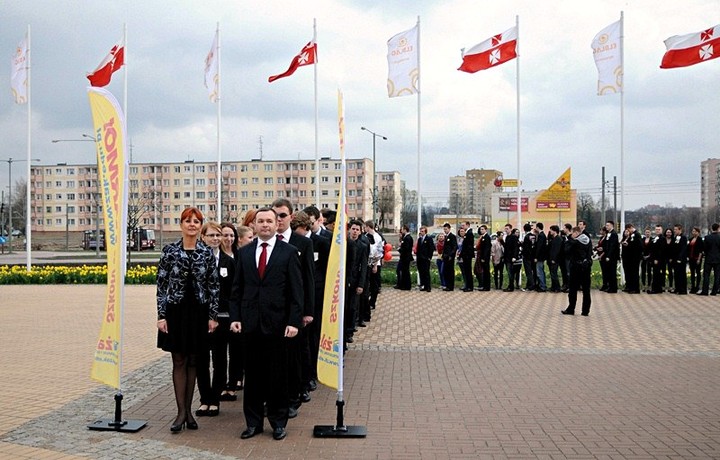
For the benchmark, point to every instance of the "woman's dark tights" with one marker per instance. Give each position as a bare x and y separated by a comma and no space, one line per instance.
184,375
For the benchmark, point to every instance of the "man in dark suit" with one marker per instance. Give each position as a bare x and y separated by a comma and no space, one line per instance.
300,346
484,246
356,265
266,306
467,254
611,254
321,248
448,256
632,247
406,247
657,258
711,246
425,251
680,257
511,253
540,252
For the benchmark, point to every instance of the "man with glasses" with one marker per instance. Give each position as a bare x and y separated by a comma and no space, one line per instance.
299,375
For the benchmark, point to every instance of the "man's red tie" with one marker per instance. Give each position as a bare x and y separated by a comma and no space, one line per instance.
280,237
263,260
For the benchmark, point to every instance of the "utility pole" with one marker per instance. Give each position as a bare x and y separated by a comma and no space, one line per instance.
617,224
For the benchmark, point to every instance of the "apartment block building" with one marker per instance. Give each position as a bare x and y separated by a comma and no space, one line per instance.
63,196
709,174
472,193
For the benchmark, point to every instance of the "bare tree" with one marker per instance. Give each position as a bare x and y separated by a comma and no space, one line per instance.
386,202
586,210
19,206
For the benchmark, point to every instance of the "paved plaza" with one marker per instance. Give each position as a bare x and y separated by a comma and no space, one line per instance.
434,375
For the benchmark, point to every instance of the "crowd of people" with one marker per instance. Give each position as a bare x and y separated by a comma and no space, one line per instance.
240,308
654,262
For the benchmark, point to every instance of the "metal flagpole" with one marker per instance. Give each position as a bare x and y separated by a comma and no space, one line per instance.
317,157
622,122
517,97
28,217
419,196
219,156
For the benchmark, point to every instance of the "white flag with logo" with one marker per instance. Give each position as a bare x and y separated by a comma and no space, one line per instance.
18,76
403,68
212,76
607,51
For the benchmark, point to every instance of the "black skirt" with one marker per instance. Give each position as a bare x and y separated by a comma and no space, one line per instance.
187,325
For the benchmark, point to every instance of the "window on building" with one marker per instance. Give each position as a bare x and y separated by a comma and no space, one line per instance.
58,184
48,209
324,179
338,179
200,182
268,180
176,169
200,168
200,195
187,195
325,166
187,182
269,167
71,196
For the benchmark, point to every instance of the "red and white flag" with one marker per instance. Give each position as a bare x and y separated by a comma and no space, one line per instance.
307,56
490,53
691,49
112,62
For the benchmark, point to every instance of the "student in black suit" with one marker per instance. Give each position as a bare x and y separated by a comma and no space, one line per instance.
299,347
406,246
425,251
511,253
680,260
448,257
632,248
302,225
611,256
482,263
266,306
467,254
711,246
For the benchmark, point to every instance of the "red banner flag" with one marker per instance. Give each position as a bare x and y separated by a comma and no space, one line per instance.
112,62
490,53
691,49
307,56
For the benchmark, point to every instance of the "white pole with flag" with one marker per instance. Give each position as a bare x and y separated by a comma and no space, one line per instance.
317,157
517,140
419,199
28,215
622,121
219,153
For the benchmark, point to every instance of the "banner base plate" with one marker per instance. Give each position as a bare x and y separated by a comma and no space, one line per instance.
126,426
330,431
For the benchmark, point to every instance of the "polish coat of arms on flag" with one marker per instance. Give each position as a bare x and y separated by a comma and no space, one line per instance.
691,49
494,51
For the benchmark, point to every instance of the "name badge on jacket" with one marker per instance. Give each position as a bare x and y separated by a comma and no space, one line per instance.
223,272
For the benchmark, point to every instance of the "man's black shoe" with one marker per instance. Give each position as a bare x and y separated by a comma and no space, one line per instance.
279,433
305,397
362,324
567,312
250,432
312,385
349,340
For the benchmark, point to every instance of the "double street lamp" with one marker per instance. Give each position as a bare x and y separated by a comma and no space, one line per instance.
374,178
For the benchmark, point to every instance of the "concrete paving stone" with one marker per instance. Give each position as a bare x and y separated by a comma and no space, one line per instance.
506,372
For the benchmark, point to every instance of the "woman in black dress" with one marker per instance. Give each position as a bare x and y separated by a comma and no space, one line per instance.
187,308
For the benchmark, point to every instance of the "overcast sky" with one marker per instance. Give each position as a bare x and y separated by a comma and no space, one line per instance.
468,120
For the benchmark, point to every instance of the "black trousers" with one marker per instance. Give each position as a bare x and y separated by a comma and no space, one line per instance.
680,272
658,276
695,271
404,281
217,346
449,272
632,274
466,270
579,279
266,380
423,266
529,265
715,268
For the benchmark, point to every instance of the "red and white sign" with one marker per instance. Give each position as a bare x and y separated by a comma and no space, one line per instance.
691,49
490,53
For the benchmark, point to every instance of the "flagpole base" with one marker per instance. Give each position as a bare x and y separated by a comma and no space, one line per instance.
118,424
331,431
339,430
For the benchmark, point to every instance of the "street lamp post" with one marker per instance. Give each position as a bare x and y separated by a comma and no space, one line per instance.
374,178
96,198
10,161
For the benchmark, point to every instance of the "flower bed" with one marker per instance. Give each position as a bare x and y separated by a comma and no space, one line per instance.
83,274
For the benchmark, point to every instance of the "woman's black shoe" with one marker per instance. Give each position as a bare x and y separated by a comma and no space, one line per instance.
178,428
192,425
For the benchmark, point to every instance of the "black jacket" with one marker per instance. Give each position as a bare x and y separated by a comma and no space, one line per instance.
450,247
